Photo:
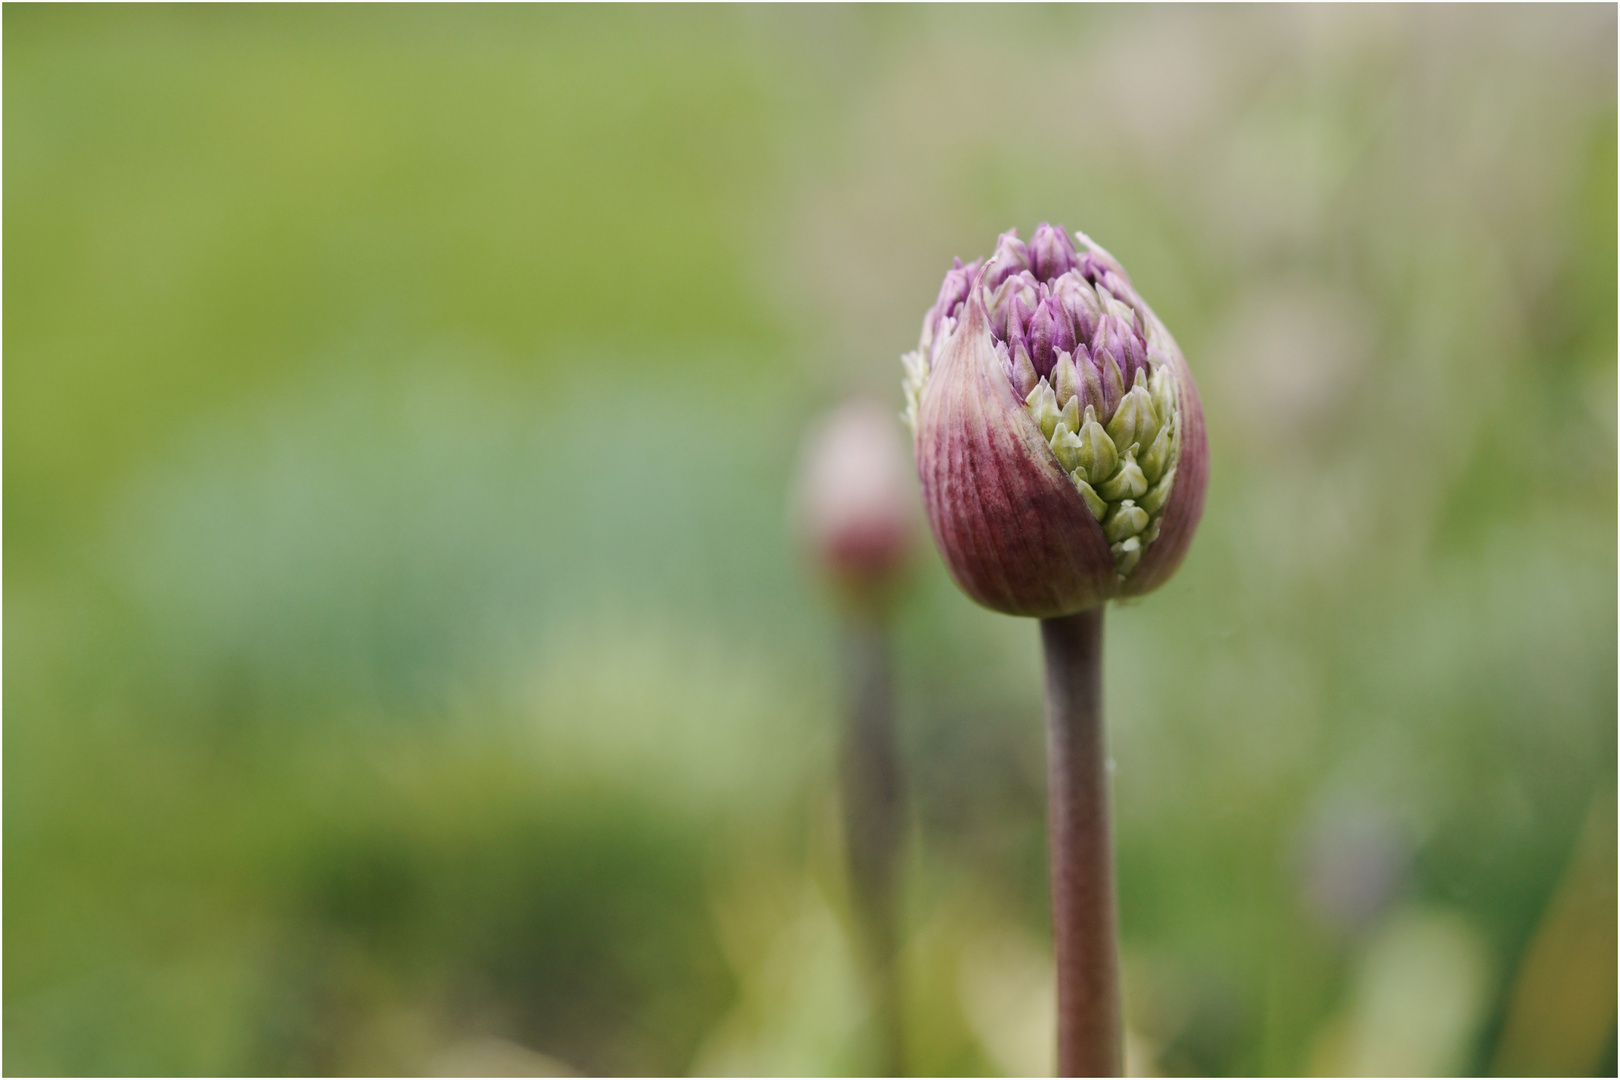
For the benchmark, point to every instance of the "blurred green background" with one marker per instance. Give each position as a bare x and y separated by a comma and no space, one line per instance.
409,663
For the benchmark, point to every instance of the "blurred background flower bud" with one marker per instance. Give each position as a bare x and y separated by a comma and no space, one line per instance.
1059,437
854,502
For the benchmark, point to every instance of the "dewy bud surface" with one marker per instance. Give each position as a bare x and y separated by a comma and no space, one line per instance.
1059,437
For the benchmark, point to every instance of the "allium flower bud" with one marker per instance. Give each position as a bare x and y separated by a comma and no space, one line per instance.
854,506
1059,437
1081,303
1021,287
1011,257
1050,252
1050,333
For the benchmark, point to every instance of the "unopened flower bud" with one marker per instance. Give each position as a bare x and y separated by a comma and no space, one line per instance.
1081,302
952,292
1159,494
1161,386
1134,421
1070,416
1097,451
1090,393
1066,445
1065,379
1127,481
1024,376
1018,319
1126,520
1059,439
854,506
1021,287
1110,377
1127,554
1109,290
1050,252
1117,347
1042,405
1010,257
1050,335
1094,502
1154,459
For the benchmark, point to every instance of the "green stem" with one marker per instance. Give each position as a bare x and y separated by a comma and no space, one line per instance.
1084,911
873,801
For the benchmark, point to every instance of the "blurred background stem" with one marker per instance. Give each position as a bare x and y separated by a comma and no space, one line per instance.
1085,932
873,804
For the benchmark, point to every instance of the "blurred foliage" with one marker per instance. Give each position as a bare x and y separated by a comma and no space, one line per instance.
408,664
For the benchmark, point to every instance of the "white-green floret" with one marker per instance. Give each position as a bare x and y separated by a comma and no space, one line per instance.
1123,471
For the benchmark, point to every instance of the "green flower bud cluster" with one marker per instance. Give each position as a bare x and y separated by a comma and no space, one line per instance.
1124,468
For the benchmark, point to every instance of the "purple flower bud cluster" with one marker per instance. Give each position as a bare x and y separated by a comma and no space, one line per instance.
1053,307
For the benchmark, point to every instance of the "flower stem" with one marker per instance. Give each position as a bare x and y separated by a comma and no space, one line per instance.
1084,911
873,802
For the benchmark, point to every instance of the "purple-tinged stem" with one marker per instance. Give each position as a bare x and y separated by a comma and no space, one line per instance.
1084,911
874,821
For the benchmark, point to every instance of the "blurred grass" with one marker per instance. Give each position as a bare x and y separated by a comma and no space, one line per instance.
406,647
